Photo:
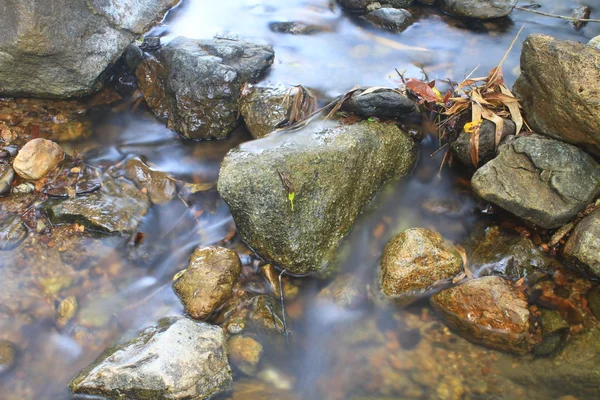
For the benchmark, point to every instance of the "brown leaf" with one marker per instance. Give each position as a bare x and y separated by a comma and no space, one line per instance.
422,90
474,145
491,116
515,112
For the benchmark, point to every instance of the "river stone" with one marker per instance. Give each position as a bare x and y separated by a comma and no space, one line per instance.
392,19
118,207
245,353
196,84
510,255
62,48
582,250
414,262
382,103
37,158
264,108
8,355
161,187
334,170
487,142
207,283
12,231
7,174
361,5
557,89
539,179
554,332
480,9
594,42
176,359
489,311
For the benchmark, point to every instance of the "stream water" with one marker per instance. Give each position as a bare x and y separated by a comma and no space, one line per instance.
333,353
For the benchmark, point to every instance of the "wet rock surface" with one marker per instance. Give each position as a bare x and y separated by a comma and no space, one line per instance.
563,178
264,108
118,207
414,262
509,255
582,250
7,174
334,173
161,187
37,158
480,9
392,19
362,5
245,353
208,281
296,28
489,311
487,142
12,231
557,89
45,57
195,84
176,359
554,332
383,104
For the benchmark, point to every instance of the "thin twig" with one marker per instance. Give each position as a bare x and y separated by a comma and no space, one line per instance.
556,16
285,330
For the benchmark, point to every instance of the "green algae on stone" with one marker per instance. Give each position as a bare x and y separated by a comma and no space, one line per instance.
335,171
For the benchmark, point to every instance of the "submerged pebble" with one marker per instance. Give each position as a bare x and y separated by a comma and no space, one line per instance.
37,158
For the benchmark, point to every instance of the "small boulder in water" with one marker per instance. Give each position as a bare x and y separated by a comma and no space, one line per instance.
489,311
480,9
208,281
381,103
7,174
176,359
415,262
392,19
160,186
37,158
582,250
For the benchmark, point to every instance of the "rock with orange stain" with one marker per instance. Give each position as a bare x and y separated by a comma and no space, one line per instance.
489,311
245,353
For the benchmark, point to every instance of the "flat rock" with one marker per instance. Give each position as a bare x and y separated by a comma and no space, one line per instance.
195,84
208,281
414,262
176,359
118,207
558,90
582,250
62,48
381,103
539,179
489,311
37,158
480,9
160,186
333,172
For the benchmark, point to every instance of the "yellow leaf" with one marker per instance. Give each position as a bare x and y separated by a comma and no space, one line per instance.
471,126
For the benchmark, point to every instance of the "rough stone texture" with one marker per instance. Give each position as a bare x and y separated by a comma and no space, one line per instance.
177,359
539,179
208,281
61,48
480,9
510,255
245,353
264,109
392,19
487,142
7,174
414,262
334,172
558,90
160,186
117,207
37,158
196,84
489,311
361,5
384,104
594,42
582,250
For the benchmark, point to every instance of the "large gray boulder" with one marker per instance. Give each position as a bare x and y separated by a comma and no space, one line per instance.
480,9
539,179
196,84
176,359
61,48
582,250
558,89
333,172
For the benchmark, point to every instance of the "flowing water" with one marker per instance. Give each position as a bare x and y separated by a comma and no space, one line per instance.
333,353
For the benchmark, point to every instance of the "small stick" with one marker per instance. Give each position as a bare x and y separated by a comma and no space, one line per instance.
285,330
555,15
